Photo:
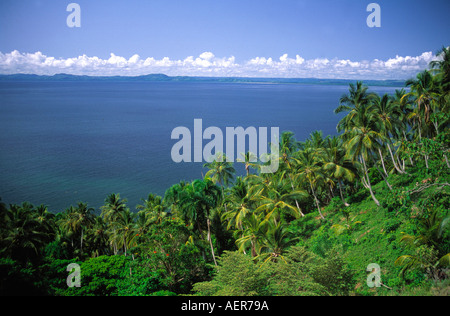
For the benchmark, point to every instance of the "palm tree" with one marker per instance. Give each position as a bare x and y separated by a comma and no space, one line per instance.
98,237
241,204
24,238
111,211
362,142
113,207
76,220
83,219
443,66
358,97
278,199
336,164
155,207
288,146
276,240
424,93
220,171
249,161
252,234
124,232
196,202
309,170
389,125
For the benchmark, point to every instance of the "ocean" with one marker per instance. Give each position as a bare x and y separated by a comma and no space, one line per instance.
65,142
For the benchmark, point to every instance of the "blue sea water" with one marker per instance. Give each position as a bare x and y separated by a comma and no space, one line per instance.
65,142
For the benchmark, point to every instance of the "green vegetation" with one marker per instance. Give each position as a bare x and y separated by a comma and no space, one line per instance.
378,193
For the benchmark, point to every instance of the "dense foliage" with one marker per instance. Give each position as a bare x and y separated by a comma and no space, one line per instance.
377,193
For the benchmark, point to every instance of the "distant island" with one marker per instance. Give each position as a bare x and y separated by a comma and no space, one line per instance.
165,78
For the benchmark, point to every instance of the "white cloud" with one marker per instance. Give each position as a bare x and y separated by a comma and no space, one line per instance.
207,64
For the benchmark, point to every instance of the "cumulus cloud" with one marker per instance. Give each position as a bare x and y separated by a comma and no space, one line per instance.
207,64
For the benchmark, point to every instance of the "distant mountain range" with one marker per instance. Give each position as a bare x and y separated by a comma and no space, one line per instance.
164,78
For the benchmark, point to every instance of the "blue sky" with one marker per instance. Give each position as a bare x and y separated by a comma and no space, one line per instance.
322,38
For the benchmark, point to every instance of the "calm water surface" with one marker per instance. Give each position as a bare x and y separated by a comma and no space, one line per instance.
65,142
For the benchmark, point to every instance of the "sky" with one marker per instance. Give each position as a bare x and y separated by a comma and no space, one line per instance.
240,38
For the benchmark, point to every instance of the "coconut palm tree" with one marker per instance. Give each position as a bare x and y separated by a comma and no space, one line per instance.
424,93
154,207
250,161
277,199
111,210
363,141
389,125
337,165
98,237
113,207
443,67
123,233
24,238
196,203
240,204
288,147
83,219
358,97
255,227
309,170
220,171
276,240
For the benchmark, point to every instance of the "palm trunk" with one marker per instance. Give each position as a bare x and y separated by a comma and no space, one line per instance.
382,162
254,254
210,241
342,195
393,160
384,178
367,181
316,200
296,202
410,158
425,155
446,160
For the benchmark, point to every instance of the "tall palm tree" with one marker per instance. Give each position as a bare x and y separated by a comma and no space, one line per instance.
99,237
241,204
123,231
111,210
113,207
288,147
220,171
358,97
196,203
362,141
389,125
309,170
83,219
424,93
337,165
443,66
250,161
